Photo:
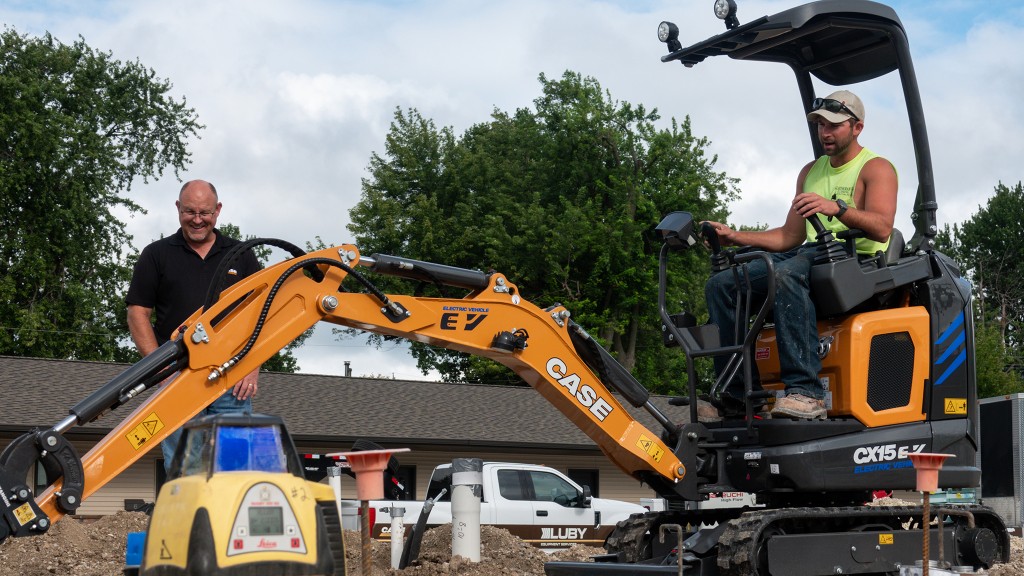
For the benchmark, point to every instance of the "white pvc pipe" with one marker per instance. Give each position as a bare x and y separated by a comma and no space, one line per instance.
466,491
334,480
397,536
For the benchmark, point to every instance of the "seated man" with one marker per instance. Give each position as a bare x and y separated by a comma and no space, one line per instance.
850,187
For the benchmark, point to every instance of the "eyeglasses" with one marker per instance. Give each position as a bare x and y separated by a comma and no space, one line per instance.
190,214
832,106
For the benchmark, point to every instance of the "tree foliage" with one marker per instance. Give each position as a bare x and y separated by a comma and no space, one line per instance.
76,129
562,199
988,247
995,363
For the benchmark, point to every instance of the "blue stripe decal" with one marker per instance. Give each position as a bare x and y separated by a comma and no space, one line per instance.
952,327
956,364
956,327
952,348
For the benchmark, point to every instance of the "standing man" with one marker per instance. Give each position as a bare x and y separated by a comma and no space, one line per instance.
172,278
849,187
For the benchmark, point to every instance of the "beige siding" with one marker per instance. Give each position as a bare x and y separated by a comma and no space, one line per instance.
139,480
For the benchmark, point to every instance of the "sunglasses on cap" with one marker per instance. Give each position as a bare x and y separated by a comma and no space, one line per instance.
832,106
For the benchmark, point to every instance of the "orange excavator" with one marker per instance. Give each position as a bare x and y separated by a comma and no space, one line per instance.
897,351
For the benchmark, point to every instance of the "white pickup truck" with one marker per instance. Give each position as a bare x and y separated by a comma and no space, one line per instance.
536,503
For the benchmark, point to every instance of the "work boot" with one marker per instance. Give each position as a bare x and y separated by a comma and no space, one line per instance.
800,407
730,409
733,408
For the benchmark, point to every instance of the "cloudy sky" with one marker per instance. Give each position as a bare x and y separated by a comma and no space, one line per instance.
297,95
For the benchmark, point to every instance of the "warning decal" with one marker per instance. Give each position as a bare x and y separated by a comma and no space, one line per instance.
885,539
24,514
648,446
955,406
144,431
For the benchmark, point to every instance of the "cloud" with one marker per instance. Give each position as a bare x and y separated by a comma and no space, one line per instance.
297,96
971,95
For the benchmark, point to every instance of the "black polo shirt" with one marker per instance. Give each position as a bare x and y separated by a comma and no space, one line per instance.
173,279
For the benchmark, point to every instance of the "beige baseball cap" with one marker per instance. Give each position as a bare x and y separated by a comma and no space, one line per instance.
837,107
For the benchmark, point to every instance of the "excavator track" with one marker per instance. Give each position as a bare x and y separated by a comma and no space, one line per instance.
822,540
632,538
743,546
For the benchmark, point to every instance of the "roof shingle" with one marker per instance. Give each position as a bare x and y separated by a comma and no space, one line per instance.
332,410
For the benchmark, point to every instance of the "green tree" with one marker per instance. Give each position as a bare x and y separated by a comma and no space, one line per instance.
76,129
989,247
563,199
995,364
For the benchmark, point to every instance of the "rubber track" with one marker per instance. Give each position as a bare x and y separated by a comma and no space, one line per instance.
632,535
739,544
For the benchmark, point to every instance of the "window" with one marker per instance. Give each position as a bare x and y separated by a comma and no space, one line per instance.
440,479
548,487
160,474
40,482
510,485
586,477
403,484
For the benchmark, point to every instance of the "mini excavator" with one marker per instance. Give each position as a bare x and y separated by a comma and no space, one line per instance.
897,351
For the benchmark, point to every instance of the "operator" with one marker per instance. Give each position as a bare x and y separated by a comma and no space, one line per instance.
173,276
848,187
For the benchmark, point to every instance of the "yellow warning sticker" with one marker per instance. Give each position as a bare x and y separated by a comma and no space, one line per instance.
144,431
650,447
956,406
885,539
24,514
644,443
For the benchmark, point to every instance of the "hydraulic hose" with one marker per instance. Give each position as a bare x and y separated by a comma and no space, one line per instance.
219,276
395,310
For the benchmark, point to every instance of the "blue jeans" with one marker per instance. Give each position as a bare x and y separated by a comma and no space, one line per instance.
226,404
796,328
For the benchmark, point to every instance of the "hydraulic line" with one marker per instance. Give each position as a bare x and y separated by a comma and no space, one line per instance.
391,309
218,286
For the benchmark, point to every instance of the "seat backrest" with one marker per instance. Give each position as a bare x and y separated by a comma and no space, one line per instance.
896,246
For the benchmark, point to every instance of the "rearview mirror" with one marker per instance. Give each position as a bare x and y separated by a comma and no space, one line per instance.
676,230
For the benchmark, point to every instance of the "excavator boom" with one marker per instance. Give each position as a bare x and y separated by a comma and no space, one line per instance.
263,313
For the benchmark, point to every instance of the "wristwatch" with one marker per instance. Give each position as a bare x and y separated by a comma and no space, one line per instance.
842,208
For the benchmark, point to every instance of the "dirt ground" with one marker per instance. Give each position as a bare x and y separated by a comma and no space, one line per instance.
77,548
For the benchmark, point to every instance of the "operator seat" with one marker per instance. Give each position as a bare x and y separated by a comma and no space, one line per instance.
896,247
845,284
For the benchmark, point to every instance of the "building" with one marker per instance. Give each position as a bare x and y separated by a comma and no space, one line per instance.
437,421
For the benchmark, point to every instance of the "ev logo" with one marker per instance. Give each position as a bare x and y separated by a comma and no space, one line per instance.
451,321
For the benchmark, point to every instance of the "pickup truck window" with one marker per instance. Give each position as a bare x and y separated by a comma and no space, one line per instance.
550,488
536,485
441,478
510,485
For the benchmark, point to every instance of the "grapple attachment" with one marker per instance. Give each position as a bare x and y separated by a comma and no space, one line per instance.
21,515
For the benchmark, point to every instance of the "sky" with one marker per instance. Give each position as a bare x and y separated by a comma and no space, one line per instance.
296,96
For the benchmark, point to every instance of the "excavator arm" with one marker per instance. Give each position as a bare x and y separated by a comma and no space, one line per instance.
261,314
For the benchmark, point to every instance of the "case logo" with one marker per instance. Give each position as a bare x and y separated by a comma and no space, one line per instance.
583,393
